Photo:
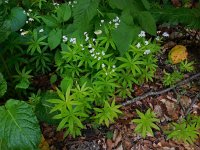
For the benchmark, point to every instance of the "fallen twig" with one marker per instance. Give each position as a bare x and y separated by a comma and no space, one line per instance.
160,92
191,105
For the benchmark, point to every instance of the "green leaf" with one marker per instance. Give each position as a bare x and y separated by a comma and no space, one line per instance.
17,18
146,4
121,4
19,128
147,22
123,36
54,38
3,85
63,13
65,83
50,21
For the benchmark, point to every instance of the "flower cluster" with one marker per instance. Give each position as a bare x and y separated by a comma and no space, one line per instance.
109,70
23,32
72,40
6,1
28,14
116,21
55,4
86,36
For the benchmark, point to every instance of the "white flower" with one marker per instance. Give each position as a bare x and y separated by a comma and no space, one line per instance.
27,14
85,33
70,3
138,45
30,19
110,22
91,51
103,65
6,1
73,40
81,45
165,34
113,66
95,57
106,73
64,38
24,33
98,53
103,53
146,52
146,42
55,4
157,38
24,12
87,38
75,2
116,25
83,48
21,30
93,39
99,58
41,30
90,46
30,10
26,21
92,55
97,32
142,34
102,21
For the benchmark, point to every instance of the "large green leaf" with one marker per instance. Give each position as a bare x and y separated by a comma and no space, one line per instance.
50,21
123,36
17,18
121,4
54,38
63,13
19,128
147,22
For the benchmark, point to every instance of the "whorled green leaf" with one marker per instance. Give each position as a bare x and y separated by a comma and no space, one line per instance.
17,18
3,85
19,127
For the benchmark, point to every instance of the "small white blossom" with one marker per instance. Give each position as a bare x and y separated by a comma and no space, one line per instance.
85,33
41,30
103,65
30,10
99,58
106,73
55,4
64,38
92,55
157,38
21,30
146,42
6,1
27,14
83,48
102,21
98,53
90,46
113,66
81,45
103,53
75,2
26,22
113,70
93,39
30,19
24,12
142,34
97,32
110,22
73,40
138,45
165,34
87,38
95,57
116,25
70,3
24,33
146,52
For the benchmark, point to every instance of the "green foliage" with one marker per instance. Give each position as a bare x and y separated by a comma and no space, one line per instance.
54,38
186,66
170,79
22,78
3,85
19,126
107,114
184,131
177,15
146,123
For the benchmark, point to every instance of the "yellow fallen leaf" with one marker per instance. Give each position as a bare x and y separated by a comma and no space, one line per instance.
177,54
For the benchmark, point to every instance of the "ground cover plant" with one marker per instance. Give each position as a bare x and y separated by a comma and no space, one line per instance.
78,65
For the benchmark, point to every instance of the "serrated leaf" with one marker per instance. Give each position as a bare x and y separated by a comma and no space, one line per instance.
17,18
50,21
147,22
54,38
19,127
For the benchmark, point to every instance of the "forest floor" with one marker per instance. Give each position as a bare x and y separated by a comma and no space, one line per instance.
169,106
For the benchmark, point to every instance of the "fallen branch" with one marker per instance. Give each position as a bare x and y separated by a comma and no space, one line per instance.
160,92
